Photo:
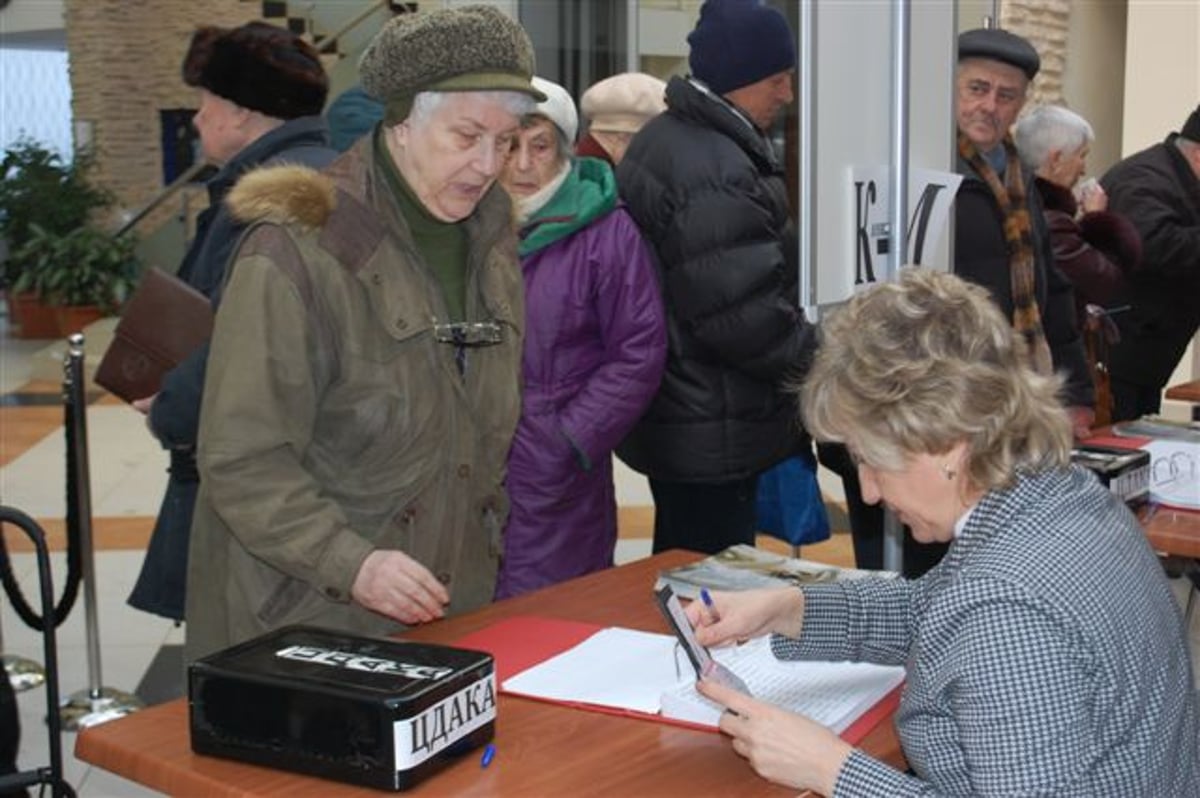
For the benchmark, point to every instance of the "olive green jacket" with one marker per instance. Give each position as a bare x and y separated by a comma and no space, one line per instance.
333,423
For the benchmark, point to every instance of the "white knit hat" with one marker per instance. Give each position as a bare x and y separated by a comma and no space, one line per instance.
558,107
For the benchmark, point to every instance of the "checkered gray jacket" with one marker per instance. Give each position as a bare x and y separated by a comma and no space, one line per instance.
1046,655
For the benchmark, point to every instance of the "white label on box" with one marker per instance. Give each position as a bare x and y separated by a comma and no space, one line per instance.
354,661
1131,484
454,717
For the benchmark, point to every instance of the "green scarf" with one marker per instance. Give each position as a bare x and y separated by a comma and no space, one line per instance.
589,192
1018,234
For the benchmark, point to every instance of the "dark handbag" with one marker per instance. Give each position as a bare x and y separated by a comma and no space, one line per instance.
789,502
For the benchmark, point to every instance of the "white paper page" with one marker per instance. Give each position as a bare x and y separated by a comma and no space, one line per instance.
615,667
1175,473
833,694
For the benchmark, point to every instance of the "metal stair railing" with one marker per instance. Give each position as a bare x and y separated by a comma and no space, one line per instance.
329,43
326,44
162,196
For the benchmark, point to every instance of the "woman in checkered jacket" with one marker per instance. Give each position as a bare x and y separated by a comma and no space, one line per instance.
1045,654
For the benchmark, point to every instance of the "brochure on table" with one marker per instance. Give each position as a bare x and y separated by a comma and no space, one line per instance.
744,567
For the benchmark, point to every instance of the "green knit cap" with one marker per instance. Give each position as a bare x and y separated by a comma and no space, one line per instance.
471,48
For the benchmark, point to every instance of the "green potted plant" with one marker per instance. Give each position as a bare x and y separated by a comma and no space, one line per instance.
55,259
84,274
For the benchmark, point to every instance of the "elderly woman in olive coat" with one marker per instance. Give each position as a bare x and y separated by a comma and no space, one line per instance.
364,385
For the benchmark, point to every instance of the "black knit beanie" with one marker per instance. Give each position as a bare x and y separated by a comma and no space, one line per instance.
259,67
739,42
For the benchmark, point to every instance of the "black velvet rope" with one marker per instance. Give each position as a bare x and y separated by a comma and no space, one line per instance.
62,609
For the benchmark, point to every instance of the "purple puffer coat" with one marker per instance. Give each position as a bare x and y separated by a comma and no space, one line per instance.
595,343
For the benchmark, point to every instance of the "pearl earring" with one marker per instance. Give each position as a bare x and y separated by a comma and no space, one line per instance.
949,472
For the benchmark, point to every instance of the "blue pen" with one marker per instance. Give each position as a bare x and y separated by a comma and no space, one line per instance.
489,753
708,603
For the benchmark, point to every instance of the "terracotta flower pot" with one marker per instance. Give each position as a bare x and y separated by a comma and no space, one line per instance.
32,317
73,318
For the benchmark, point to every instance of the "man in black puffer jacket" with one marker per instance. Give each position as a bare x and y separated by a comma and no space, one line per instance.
708,192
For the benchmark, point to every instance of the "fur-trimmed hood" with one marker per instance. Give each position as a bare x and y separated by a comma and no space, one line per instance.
286,194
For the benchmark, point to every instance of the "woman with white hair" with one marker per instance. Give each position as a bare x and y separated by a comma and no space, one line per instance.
595,342
1093,247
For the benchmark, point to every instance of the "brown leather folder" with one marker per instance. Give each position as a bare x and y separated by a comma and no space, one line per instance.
163,322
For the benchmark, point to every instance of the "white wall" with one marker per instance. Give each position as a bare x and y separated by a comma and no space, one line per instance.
1094,78
632,488
1162,86
1162,69
24,16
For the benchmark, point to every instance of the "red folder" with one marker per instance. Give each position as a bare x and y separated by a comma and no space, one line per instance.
520,642
1116,441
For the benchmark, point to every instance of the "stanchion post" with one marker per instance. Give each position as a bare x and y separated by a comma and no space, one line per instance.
96,703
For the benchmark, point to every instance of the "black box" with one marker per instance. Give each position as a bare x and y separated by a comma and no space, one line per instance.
1125,472
380,713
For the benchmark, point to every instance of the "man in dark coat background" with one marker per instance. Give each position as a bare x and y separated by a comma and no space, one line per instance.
1000,242
261,93
1158,189
994,71
707,190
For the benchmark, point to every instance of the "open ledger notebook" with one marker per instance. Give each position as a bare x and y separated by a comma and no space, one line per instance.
641,674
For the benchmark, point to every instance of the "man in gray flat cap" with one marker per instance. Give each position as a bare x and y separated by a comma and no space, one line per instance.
363,383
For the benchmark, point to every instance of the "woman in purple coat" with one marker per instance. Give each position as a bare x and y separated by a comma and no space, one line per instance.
595,341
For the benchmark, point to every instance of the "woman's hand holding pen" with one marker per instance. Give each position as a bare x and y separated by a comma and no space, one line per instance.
781,746
731,617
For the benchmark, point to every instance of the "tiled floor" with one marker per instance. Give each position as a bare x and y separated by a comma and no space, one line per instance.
127,483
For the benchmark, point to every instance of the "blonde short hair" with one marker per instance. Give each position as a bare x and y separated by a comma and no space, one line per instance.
917,365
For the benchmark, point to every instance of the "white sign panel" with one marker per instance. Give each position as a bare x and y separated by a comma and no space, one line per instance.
852,118
930,197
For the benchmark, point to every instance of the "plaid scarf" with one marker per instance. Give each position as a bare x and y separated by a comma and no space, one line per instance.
1018,234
